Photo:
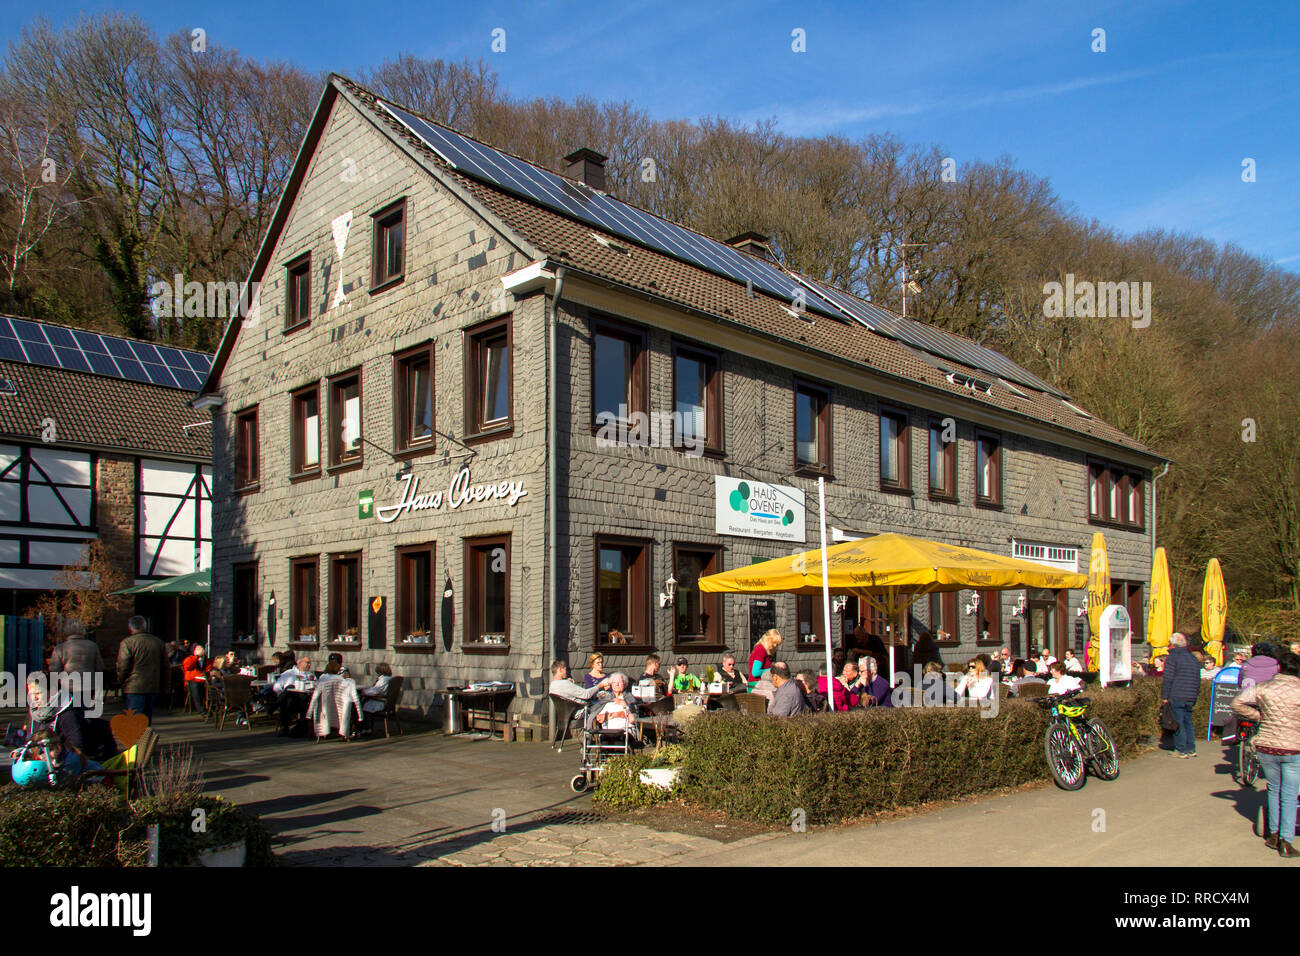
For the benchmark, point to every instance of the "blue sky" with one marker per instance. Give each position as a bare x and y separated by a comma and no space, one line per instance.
1151,133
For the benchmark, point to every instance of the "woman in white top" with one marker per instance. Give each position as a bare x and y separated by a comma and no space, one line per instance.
977,682
1072,663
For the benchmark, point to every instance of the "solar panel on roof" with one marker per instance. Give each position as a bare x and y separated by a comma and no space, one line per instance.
604,212
936,341
22,340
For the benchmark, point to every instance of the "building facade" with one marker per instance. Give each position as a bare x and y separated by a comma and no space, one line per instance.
464,432
98,441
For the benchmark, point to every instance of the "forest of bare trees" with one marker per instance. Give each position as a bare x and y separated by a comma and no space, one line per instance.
126,157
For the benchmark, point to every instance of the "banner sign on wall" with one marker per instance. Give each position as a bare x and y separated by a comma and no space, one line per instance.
753,509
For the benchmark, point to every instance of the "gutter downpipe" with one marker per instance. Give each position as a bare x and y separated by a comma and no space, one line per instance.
552,452
1155,479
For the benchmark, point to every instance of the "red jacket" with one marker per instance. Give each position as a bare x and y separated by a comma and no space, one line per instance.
840,695
193,667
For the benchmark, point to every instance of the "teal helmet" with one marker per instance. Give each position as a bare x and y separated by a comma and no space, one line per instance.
36,773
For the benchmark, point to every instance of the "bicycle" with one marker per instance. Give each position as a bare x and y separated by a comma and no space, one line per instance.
1246,768
1076,744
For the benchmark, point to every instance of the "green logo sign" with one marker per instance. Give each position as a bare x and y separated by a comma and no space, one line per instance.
740,502
365,504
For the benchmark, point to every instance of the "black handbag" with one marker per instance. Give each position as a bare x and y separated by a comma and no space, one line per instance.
1168,722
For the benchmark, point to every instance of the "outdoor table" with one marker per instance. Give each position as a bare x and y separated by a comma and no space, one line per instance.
482,701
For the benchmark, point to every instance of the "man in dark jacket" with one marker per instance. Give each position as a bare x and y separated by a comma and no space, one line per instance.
79,657
1179,689
140,660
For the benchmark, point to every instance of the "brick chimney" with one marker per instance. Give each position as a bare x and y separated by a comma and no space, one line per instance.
587,166
755,243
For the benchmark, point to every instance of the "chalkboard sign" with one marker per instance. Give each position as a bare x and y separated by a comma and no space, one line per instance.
1080,637
1224,689
762,618
1013,631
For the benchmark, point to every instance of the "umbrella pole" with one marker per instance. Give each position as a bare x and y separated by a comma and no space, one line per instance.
826,592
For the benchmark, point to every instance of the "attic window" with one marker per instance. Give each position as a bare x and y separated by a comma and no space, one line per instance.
1076,409
1012,388
968,383
601,240
7,387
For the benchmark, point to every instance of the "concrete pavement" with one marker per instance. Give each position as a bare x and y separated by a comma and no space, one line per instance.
425,799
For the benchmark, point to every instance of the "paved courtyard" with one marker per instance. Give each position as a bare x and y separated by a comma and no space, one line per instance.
426,799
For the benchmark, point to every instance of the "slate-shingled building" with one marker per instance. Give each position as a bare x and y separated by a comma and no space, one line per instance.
414,451
98,440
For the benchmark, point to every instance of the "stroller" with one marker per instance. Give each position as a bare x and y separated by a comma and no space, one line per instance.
598,744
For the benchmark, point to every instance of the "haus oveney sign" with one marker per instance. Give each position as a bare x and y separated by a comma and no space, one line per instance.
753,509
460,491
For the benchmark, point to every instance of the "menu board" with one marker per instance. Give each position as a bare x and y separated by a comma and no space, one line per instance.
762,618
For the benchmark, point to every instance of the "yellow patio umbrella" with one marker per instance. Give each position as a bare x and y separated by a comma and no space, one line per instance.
890,571
1214,611
1098,598
1160,612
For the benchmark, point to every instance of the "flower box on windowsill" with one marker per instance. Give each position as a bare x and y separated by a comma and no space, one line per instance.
419,637
245,640
487,647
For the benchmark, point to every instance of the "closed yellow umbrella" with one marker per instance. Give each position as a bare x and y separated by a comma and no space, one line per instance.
1160,613
1214,611
1098,598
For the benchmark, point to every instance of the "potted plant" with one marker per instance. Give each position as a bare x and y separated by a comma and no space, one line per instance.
418,637
665,765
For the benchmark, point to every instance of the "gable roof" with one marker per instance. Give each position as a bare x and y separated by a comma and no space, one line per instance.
598,254
101,412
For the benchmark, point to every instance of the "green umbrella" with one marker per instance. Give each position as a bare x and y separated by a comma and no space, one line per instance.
196,582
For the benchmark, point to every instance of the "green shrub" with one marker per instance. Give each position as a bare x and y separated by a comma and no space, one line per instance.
620,786
841,766
97,827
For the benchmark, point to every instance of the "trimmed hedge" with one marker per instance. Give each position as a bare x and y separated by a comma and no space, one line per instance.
97,827
837,767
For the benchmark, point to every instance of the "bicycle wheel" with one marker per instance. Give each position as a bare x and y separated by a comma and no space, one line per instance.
1104,762
1064,758
1250,773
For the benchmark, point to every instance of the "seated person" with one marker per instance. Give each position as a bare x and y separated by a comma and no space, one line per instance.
618,712
844,696
292,707
47,715
1061,682
595,670
684,682
337,658
374,699
1020,676
561,686
977,682
333,671
1072,664
730,676
814,698
934,688
652,674
873,690
196,678
788,699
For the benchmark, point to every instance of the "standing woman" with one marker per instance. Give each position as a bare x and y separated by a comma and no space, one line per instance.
760,658
595,670
1275,704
